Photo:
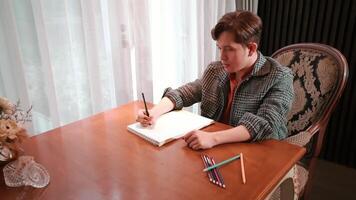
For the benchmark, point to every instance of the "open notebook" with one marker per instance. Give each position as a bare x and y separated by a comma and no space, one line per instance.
170,126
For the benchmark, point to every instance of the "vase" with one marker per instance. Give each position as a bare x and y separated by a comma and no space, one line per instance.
25,172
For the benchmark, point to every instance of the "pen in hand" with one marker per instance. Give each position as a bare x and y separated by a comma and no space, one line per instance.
144,101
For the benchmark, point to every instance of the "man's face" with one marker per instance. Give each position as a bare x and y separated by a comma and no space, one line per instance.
234,56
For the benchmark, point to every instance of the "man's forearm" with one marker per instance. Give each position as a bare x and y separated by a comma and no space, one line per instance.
165,105
236,134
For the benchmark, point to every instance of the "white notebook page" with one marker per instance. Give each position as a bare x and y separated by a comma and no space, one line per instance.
170,126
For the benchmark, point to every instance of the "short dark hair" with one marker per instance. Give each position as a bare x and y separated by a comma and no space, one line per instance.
245,25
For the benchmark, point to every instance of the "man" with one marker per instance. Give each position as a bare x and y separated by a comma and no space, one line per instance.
246,90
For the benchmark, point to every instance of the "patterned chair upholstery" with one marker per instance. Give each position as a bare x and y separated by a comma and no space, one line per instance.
320,75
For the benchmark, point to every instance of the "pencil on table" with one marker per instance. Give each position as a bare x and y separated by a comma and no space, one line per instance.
215,175
222,163
215,180
220,177
206,165
243,170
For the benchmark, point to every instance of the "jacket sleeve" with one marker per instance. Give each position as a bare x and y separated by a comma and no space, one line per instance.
271,117
186,95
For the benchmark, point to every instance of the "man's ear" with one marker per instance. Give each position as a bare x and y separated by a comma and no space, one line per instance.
252,48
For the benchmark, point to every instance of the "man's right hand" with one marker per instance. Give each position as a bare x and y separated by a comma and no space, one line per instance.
144,119
165,105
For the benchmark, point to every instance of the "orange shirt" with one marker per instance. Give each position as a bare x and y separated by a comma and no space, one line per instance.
233,84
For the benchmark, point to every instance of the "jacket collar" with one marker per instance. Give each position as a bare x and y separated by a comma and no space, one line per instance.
261,67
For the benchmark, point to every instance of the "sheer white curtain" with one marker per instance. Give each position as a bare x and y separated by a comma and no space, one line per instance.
73,58
181,40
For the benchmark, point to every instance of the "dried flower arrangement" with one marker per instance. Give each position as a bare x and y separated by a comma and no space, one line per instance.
12,117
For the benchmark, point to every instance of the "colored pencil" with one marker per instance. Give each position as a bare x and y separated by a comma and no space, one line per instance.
214,172
144,101
222,163
215,179
243,170
206,165
219,174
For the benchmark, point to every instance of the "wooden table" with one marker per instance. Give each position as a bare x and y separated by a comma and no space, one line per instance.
97,158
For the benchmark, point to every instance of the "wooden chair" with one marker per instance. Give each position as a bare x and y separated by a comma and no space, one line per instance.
320,76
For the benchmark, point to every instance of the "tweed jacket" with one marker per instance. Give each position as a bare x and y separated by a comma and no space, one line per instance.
260,103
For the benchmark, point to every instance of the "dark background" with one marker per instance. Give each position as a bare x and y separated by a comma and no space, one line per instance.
329,22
